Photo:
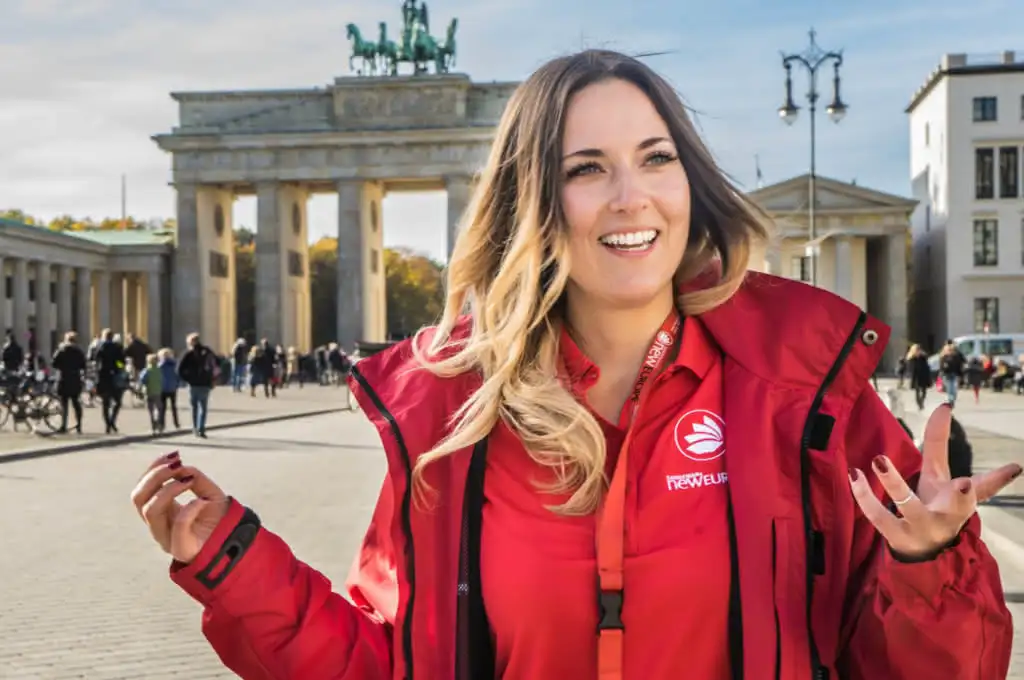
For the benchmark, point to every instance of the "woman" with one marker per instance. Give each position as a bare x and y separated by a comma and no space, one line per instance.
498,547
69,362
975,375
169,384
920,374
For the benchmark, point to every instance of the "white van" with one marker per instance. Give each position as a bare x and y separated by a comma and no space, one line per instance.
1005,346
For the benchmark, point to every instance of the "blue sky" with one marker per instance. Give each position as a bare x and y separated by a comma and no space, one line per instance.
84,83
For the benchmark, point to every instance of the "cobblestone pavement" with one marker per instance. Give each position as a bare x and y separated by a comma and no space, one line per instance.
226,406
84,591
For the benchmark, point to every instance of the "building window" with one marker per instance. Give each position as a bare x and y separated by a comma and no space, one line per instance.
984,109
986,243
219,267
374,261
927,136
984,173
295,267
800,269
9,285
1008,175
986,313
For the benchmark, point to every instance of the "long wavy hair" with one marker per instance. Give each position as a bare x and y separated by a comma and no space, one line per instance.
510,265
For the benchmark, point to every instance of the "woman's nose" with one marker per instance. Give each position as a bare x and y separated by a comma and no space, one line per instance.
629,194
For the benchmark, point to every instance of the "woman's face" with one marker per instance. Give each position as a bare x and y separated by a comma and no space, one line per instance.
626,197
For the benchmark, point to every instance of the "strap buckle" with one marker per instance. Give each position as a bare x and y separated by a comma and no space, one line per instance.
609,603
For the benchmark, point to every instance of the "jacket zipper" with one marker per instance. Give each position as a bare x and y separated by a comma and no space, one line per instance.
775,607
406,512
818,672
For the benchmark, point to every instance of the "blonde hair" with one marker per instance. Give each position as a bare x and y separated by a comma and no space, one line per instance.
510,265
912,352
165,353
151,359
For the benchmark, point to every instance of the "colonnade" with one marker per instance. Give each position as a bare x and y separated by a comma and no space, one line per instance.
49,300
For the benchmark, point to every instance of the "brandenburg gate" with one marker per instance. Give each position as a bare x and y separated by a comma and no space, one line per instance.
360,137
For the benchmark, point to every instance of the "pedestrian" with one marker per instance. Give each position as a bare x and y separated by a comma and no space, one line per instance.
951,367
111,378
169,383
69,362
600,279
198,370
975,375
920,374
151,380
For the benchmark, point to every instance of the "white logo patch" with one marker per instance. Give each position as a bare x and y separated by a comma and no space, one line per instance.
700,435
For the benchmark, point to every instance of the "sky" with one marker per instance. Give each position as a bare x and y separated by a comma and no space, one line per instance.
84,84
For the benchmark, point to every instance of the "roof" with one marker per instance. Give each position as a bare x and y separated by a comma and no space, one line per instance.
965,64
132,237
856,194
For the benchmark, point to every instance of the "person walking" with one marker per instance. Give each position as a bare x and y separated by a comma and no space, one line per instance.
152,381
169,385
975,375
564,498
198,369
951,367
111,378
69,362
920,374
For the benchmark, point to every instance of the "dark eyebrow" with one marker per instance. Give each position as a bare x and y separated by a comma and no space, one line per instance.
597,153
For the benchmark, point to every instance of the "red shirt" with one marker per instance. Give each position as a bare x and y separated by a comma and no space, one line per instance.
676,546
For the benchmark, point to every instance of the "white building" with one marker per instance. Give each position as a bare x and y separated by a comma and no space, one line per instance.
966,139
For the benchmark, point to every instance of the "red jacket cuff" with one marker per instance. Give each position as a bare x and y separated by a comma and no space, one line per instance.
185,575
913,582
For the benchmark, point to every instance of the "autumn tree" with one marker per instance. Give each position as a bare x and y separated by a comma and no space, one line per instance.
415,291
323,290
245,284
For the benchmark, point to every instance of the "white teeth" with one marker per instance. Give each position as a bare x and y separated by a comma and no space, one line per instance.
630,238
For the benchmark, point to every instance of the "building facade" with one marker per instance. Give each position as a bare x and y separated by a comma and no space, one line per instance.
966,150
54,282
861,247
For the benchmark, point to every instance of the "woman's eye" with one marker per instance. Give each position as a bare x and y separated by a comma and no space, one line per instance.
583,169
662,157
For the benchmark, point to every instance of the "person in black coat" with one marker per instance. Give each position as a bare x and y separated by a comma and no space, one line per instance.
13,354
69,362
920,374
111,377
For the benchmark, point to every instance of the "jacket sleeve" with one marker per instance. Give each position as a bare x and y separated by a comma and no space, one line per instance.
269,616
941,618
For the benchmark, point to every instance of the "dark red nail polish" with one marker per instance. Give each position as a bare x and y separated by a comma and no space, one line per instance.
881,464
966,488
1016,473
854,474
172,455
186,479
175,465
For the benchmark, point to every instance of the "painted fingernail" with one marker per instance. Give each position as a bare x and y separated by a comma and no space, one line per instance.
965,487
172,455
854,474
881,464
186,479
175,465
1016,473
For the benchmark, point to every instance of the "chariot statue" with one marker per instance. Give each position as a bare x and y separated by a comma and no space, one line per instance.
415,45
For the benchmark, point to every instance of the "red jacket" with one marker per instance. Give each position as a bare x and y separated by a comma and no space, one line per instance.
819,596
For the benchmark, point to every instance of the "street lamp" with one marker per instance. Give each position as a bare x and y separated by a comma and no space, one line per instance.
812,59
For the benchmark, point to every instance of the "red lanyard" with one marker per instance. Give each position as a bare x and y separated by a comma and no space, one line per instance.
611,524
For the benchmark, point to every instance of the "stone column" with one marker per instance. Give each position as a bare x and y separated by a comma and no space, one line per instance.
270,265
21,302
459,190
65,321
154,300
4,325
83,305
44,310
896,307
103,317
350,264
844,268
187,279
131,306
116,288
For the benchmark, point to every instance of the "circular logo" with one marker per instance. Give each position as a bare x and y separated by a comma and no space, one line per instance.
700,435
664,337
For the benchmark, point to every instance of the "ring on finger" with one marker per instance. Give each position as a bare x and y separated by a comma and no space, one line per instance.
906,500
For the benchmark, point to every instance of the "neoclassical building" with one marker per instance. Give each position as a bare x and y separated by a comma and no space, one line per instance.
54,282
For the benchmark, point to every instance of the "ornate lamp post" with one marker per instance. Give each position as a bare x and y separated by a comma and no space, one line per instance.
812,59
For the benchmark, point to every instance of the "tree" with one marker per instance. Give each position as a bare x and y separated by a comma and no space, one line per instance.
18,216
415,291
323,290
244,236
245,290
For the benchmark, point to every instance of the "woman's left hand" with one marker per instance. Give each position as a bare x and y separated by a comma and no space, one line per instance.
934,515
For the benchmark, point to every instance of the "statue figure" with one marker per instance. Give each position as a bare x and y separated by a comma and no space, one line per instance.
361,49
415,44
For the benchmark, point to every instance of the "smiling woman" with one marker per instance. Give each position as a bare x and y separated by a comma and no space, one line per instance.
616,429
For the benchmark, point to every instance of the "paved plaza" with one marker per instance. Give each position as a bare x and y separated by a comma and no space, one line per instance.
85,592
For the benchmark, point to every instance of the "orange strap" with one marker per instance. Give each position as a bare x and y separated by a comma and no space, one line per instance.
611,523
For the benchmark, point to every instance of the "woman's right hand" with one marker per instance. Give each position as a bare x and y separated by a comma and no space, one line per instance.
180,529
